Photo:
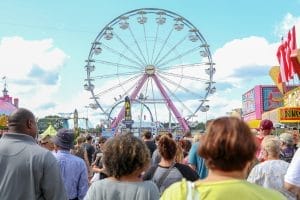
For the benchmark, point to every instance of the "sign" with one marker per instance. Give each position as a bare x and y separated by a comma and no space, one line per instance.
3,121
292,98
271,98
248,102
289,114
128,119
107,133
127,122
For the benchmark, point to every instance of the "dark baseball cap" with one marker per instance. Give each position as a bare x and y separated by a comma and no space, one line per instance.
266,125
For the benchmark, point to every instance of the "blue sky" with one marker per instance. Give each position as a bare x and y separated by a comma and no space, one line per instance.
44,45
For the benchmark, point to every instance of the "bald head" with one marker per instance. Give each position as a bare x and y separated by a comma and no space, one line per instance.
22,121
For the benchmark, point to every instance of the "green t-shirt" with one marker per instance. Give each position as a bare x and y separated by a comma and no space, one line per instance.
222,190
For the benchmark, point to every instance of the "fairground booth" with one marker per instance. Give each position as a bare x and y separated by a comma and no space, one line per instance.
279,102
260,100
289,114
7,106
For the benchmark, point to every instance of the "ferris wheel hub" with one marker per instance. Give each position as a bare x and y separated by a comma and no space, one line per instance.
150,70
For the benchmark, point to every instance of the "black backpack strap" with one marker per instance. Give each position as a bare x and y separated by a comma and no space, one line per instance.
164,176
149,173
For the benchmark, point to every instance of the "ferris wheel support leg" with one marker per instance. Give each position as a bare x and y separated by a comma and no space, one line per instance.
132,96
171,105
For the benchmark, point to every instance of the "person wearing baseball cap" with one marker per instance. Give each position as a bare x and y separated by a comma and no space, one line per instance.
73,169
265,128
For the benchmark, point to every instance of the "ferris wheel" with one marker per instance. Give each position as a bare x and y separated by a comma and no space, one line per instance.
158,59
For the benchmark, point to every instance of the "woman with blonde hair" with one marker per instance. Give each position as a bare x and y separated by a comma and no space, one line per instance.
270,173
287,149
228,149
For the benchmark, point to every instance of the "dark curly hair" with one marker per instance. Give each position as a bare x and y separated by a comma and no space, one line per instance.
124,154
167,147
228,144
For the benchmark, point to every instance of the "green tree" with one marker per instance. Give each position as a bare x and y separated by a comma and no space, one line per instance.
200,126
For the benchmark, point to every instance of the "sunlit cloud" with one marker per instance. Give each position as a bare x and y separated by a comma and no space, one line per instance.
286,24
238,54
32,71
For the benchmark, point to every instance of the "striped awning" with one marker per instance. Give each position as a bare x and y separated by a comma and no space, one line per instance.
6,108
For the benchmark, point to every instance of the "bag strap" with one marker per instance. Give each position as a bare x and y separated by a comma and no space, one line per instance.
192,193
164,176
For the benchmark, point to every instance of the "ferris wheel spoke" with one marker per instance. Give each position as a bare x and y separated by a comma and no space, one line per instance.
126,92
175,96
145,97
153,97
121,55
117,64
164,44
183,66
116,75
130,89
179,56
117,85
146,88
137,44
171,50
146,43
179,86
184,76
155,41
130,50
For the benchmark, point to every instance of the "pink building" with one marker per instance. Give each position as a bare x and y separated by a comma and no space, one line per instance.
7,103
260,99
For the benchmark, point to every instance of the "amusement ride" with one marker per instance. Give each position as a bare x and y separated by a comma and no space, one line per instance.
158,59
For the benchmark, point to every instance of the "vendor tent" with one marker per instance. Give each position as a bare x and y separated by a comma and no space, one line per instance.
6,108
49,131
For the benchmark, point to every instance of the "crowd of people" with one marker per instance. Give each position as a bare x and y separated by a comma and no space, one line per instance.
227,161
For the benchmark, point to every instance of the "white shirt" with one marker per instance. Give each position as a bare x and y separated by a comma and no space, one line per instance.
293,173
270,174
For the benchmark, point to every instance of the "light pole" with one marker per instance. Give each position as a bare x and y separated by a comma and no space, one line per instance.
141,98
87,118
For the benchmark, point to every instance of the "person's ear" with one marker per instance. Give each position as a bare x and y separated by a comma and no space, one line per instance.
28,124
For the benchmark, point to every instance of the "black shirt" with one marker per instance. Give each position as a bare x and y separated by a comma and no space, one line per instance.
90,151
151,146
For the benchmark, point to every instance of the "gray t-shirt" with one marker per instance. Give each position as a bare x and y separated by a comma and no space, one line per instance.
173,176
108,189
158,174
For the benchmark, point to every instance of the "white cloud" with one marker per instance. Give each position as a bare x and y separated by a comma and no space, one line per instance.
286,24
18,58
236,54
223,103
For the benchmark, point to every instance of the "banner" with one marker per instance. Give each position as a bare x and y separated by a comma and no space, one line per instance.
289,114
274,74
